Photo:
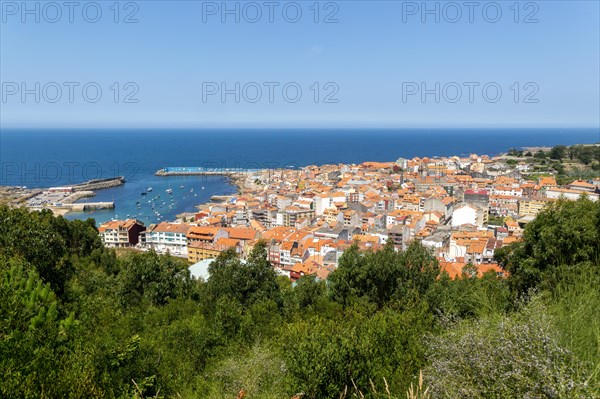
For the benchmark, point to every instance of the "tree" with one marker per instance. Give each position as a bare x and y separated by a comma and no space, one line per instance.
148,276
32,335
245,283
383,275
37,238
566,233
307,292
558,152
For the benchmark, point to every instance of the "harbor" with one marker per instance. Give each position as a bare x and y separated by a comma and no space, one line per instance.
64,199
153,199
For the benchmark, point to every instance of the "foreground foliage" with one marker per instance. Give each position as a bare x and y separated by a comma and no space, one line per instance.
76,321
504,357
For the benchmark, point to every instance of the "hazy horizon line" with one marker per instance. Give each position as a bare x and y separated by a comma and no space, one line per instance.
484,127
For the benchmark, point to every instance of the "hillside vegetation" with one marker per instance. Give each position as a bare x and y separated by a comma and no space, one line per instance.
76,321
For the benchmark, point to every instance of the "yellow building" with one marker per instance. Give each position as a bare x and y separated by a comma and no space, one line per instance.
199,250
532,206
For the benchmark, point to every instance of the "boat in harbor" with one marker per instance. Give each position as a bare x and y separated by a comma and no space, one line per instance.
149,189
143,193
169,190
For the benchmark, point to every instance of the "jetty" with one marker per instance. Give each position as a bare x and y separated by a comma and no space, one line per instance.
84,206
61,209
100,184
201,171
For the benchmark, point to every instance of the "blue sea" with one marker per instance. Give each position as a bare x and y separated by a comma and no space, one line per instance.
47,158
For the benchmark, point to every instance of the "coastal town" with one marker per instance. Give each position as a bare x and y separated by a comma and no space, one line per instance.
462,208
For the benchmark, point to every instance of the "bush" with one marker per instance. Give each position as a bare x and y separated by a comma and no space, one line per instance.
515,356
258,371
328,357
572,305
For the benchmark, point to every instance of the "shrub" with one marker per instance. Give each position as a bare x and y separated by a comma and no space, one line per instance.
515,356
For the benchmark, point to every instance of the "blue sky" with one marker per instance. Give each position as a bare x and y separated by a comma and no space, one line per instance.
367,67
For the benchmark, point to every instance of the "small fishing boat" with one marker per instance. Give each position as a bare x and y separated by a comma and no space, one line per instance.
149,189
169,190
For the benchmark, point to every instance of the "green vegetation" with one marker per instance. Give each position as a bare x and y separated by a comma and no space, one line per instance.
558,242
495,220
76,321
577,162
497,356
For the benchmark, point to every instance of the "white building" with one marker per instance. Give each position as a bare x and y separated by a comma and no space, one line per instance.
328,200
465,214
569,194
508,191
168,237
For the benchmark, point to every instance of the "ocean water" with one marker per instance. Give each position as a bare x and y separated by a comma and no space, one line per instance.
47,158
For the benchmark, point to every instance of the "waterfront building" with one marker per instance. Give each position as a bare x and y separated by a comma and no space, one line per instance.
121,233
167,237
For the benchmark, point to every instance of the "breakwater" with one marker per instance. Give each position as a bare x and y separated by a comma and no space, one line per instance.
241,179
200,171
100,184
82,207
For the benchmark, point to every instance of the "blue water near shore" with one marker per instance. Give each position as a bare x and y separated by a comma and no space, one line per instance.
47,158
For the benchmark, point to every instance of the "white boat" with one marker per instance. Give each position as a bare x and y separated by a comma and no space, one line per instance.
149,189
169,190
202,187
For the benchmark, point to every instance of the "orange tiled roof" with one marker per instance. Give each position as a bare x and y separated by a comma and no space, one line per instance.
166,227
241,233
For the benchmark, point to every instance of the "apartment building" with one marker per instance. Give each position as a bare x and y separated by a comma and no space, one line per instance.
121,233
167,237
